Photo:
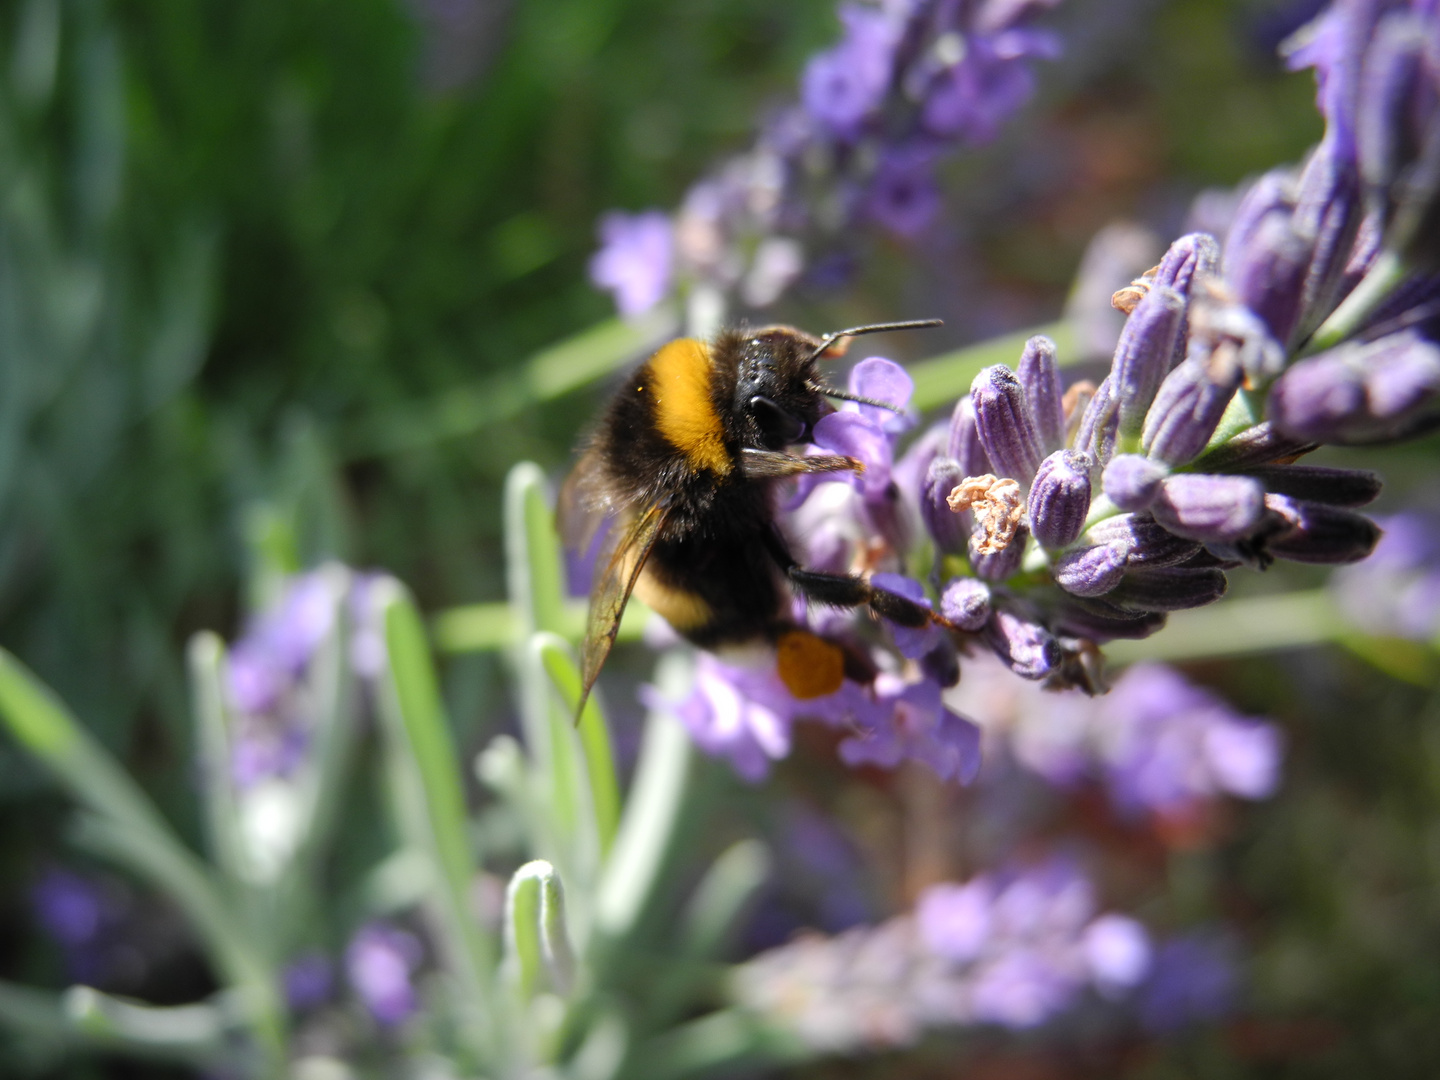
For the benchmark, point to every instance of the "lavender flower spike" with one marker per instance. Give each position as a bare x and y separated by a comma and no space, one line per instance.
1210,509
1144,354
1060,498
1039,374
1004,421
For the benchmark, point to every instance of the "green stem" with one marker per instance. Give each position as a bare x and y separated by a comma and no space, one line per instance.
1389,270
941,379
1283,621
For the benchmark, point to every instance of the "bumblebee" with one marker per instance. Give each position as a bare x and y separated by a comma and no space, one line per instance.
683,467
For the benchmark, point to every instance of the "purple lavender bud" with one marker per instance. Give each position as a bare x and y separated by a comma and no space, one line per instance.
1267,274
1039,374
1210,508
1187,409
1258,445
964,444
1273,193
1005,424
1329,209
1091,571
1145,354
1318,533
1132,481
1096,432
1361,392
1026,647
1145,540
1317,483
1398,126
1100,621
1060,497
1169,589
999,565
950,530
1193,256
966,603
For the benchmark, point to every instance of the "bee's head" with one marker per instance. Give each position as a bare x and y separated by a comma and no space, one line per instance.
779,392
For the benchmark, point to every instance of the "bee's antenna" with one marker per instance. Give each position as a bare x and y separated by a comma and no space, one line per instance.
845,395
872,328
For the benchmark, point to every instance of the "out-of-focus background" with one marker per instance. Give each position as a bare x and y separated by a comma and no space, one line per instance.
270,274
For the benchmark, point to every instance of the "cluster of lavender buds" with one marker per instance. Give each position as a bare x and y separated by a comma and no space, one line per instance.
1044,520
1160,745
1014,948
909,81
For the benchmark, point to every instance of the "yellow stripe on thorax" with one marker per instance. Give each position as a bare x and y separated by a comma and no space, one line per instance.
680,382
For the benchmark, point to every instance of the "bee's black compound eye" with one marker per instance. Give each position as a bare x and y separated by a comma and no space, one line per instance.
779,428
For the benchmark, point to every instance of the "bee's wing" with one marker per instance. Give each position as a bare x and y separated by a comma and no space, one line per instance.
612,591
584,504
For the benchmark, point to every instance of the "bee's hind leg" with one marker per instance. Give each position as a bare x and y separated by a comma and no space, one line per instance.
848,590
845,590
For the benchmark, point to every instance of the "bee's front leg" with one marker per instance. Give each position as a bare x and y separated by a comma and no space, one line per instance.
773,465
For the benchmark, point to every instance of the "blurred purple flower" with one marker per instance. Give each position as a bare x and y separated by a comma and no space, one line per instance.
69,907
1397,590
844,85
1194,979
636,259
987,82
742,714
308,981
904,196
380,962
1015,948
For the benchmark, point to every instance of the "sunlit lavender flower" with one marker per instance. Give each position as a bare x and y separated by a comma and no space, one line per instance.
1015,948
906,84
636,259
380,963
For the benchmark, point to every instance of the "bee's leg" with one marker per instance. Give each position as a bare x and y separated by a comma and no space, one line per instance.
844,590
772,465
848,590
